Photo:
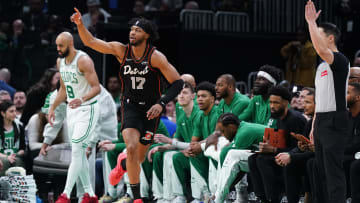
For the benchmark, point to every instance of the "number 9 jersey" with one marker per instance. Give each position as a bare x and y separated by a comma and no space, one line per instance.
141,83
75,82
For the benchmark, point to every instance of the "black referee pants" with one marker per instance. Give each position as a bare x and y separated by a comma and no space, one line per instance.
330,135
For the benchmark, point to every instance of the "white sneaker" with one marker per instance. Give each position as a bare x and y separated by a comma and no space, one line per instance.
179,199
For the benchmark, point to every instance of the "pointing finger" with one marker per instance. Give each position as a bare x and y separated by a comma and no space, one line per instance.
76,10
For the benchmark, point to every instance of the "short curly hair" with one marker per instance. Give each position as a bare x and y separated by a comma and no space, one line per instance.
148,26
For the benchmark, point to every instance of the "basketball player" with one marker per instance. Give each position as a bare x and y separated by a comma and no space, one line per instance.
79,85
140,72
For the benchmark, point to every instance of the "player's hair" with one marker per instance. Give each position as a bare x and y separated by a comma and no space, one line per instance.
281,92
331,29
148,26
228,118
188,85
356,87
230,79
273,71
206,86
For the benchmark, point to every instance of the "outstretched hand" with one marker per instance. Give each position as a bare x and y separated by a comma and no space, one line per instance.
310,12
76,17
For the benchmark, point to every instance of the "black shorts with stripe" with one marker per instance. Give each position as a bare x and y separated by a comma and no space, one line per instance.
134,116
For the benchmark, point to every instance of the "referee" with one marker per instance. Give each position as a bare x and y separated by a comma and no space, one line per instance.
330,123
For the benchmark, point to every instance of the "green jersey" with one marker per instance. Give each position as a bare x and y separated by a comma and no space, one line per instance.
248,134
237,105
206,123
258,111
9,146
185,125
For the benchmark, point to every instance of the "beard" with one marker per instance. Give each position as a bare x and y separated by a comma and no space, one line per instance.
65,54
223,95
278,113
137,42
349,103
261,89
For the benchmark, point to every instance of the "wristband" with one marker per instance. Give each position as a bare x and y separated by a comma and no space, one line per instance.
162,104
81,99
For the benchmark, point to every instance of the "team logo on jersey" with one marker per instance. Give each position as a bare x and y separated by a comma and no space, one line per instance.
324,73
148,136
134,71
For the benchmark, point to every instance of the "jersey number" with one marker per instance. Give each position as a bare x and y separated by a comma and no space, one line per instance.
70,92
137,83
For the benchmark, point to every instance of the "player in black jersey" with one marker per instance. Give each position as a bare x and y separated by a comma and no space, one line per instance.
141,67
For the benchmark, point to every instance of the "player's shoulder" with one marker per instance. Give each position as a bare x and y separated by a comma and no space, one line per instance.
118,47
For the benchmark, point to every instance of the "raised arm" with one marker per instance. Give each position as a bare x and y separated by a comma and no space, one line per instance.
317,39
115,48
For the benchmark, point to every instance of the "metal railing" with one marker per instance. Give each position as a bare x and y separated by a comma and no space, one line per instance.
231,22
242,87
273,16
197,20
288,15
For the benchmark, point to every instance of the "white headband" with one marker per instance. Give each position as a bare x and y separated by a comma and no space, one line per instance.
267,76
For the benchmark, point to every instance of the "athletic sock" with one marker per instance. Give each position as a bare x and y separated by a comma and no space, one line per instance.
135,188
74,168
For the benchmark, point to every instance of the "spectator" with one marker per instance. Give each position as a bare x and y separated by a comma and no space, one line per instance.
192,5
169,118
170,111
35,133
294,162
4,96
19,101
36,21
18,34
94,8
37,93
5,76
12,140
356,61
113,86
301,60
354,75
263,168
164,5
53,28
139,8
95,18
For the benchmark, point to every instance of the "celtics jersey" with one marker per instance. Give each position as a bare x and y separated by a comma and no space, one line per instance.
75,82
9,146
141,83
